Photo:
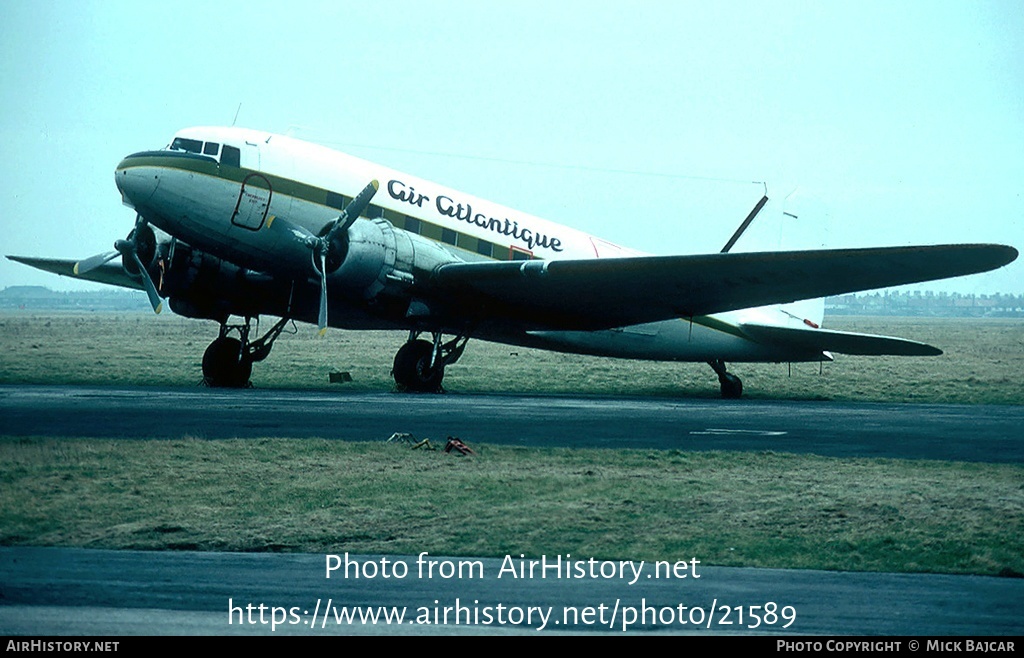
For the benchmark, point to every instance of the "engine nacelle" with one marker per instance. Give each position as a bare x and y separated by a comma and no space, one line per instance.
380,259
206,287
377,263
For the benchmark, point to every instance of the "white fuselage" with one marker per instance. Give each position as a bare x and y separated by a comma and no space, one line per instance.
252,195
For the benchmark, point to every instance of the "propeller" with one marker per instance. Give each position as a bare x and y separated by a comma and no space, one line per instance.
127,249
91,263
334,241
351,213
321,322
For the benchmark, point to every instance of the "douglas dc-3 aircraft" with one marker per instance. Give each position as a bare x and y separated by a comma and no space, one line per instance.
236,222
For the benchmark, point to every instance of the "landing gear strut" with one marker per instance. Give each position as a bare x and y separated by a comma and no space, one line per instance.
732,387
419,364
227,362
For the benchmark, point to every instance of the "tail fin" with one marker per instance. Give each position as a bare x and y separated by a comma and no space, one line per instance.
803,222
800,221
797,222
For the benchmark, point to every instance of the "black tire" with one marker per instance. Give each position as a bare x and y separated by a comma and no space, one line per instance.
224,365
732,387
412,369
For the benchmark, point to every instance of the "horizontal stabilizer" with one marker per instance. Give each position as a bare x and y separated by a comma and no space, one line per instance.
843,342
110,273
614,292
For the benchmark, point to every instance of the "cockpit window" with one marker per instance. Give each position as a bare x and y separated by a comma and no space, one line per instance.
231,156
190,145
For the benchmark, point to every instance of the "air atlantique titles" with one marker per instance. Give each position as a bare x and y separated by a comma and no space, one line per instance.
464,212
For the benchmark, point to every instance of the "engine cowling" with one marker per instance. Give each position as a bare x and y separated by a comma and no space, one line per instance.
146,246
378,264
203,286
382,260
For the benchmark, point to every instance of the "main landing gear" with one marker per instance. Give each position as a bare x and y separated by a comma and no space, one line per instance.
732,387
227,362
419,364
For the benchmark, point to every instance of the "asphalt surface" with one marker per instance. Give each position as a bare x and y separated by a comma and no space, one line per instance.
47,591
942,432
54,591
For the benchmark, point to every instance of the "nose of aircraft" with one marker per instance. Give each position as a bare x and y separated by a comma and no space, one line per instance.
135,181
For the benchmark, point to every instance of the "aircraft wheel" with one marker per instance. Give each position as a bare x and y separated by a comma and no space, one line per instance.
223,365
412,369
732,387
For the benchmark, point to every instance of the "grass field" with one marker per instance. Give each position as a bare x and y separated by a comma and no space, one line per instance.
982,364
752,509
744,509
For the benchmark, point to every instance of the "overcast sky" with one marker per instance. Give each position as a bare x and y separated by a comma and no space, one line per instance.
644,123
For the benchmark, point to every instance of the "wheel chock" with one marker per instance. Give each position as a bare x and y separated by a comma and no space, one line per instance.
456,444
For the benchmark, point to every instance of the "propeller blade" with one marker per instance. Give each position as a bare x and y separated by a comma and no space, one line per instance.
147,281
322,322
352,211
91,263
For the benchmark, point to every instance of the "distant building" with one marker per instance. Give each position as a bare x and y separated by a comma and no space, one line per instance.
898,303
926,304
38,298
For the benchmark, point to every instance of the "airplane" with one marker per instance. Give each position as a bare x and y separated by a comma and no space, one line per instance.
239,223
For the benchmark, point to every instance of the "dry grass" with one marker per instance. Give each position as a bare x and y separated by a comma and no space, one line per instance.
310,495
982,362
746,509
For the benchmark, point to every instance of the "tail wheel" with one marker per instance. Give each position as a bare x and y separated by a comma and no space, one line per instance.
732,387
224,365
412,369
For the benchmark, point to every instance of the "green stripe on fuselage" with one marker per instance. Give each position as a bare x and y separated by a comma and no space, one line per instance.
207,166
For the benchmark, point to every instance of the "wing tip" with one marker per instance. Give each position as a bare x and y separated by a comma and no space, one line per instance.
983,257
998,255
1011,253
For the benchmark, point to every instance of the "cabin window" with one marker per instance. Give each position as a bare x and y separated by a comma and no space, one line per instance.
211,148
231,156
184,144
432,231
412,225
448,235
336,200
485,248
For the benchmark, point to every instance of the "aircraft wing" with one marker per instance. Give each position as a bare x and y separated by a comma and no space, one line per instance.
109,273
616,292
844,342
